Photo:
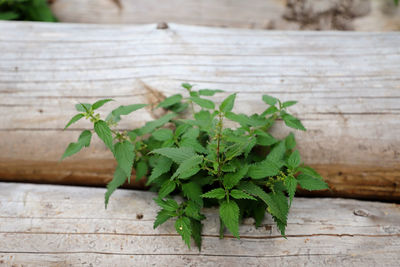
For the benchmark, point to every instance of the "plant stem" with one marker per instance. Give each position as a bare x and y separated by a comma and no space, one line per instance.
220,124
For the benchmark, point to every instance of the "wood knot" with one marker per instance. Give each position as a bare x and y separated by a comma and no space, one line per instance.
362,213
139,216
162,26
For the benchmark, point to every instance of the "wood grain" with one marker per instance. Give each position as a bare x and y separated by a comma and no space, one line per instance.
60,225
347,85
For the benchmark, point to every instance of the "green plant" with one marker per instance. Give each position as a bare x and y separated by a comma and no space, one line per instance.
243,170
33,10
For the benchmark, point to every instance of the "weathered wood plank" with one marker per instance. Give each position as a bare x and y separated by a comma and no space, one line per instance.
50,225
347,85
365,15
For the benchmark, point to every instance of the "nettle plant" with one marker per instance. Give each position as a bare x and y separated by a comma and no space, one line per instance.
245,171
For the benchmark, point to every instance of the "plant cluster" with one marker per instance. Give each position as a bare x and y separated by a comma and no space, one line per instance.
245,171
33,10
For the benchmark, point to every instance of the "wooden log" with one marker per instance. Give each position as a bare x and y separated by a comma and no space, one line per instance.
62,225
366,15
347,85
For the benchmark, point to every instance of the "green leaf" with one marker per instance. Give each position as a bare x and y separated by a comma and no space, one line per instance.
291,185
309,171
74,119
288,104
187,86
311,183
192,210
83,141
162,166
182,226
269,100
100,103
238,194
209,92
270,110
168,204
104,133
83,107
163,134
257,191
227,104
197,228
116,114
166,188
263,169
162,217
281,202
265,139
193,191
178,155
232,179
229,213
204,103
293,122
277,152
118,180
169,101
8,15
294,159
124,154
191,133
141,169
217,193
259,213
290,141
152,125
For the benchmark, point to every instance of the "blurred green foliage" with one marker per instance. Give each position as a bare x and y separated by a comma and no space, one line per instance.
33,10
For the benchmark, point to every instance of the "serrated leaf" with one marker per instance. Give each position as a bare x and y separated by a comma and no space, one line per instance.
187,86
209,92
74,119
217,193
162,166
197,228
193,191
152,125
293,122
227,104
162,217
178,155
168,204
265,139
232,179
192,133
311,183
118,180
192,143
116,114
229,214
270,110
141,169
204,103
269,100
166,188
188,168
83,107
290,141
182,226
288,104
83,141
257,191
277,152
192,210
124,154
263,169
162,134
309,171
238,194
294,159
169,101
100,103
104,133
291,185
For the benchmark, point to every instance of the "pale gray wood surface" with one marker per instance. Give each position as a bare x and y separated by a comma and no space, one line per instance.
44,225
347,85
359,15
